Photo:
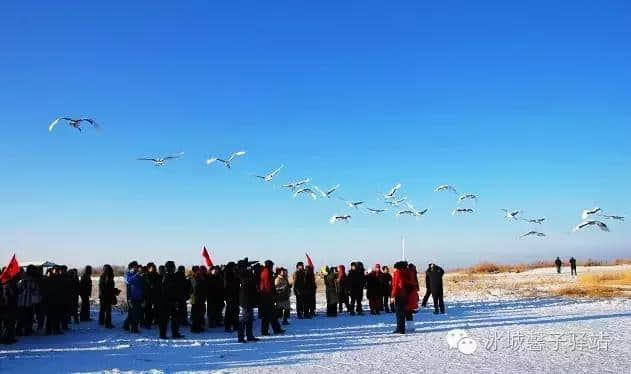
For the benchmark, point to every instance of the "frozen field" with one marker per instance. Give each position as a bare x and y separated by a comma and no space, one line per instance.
519,335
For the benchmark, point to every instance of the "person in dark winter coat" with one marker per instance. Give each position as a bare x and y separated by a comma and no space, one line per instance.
215,297
231,292
342,289
66,284
107,296
152,281
85,291
54,294
558,264
436,273
75,290
400,294
310,292
9,310
168,302
374,287
198,298
356,282
247,300
386,283
28,298
184,293
428,289
572,266
298,283
267,300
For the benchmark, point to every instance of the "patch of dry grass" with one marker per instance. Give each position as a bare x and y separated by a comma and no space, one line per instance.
608,278
600,285
589,291
493,268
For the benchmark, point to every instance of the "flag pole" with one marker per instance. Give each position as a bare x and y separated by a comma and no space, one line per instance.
402,247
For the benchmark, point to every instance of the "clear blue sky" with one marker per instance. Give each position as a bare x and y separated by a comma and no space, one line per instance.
526,105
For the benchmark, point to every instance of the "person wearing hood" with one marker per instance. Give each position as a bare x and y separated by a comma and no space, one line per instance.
268,297
283,292
374,287
331,285
412,302
310,292
342,289
85,291
400,294
357,282
298,282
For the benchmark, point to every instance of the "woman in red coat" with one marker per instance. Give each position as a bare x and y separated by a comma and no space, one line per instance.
400,282
412,297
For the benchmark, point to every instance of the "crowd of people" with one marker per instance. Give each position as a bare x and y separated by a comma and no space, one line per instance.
219,296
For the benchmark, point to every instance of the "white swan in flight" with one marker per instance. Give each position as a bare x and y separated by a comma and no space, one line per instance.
535,220
468,196
511,214
533,233
338,218
270,176
296,184
160,161
584,224
392,192
308,191
617,218
446,187
328,193
589,212
228,161
73,122
461,211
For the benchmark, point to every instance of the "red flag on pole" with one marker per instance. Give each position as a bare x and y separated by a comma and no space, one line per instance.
10,271
206,257
309,262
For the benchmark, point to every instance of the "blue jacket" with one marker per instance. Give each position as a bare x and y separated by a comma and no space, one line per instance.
134,286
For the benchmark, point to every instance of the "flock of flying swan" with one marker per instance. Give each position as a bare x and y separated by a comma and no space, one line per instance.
303,188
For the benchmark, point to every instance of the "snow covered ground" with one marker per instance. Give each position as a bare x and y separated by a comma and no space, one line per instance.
512,335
